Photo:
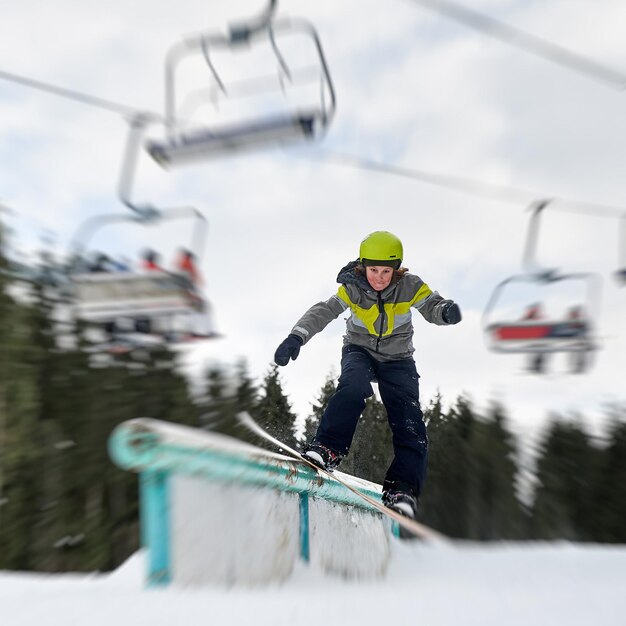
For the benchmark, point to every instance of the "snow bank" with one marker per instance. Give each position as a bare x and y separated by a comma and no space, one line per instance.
468,584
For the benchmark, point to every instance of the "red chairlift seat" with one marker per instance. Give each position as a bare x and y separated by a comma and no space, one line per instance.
540,336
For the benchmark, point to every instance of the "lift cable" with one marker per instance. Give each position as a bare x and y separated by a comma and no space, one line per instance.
528,42
467,186
83,98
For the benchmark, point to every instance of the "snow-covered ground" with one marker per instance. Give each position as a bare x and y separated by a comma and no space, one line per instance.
463,584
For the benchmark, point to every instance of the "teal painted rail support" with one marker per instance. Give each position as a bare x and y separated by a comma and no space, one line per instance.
395,529
305,553
155,533
158,451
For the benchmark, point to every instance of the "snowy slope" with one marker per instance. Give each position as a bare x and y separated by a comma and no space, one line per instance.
468,584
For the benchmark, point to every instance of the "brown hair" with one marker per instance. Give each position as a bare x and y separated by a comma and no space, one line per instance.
397,274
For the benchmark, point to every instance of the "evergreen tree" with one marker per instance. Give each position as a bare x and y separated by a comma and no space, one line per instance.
247,394
609,497
500,514
217,405
451,487
19,410
439,501
566,472
318,407
64,505
227,396
246,399
273,411
371,451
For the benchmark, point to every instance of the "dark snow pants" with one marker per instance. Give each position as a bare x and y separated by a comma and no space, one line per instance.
399,390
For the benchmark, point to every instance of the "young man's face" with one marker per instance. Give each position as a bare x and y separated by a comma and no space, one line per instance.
379,276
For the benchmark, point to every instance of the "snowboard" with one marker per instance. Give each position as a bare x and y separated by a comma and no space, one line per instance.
409,528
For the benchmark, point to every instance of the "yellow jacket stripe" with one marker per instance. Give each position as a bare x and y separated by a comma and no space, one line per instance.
370,315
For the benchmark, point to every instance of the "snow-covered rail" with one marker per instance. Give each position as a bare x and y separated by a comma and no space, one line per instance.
214,509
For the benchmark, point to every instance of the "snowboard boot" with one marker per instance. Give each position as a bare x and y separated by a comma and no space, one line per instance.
323,457
400,498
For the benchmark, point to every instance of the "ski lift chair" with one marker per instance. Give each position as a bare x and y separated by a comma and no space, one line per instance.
138,308
184,144
536,336
532,335
523,334
103,296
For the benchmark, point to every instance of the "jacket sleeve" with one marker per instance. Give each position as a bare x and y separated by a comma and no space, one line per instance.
318,317
430,304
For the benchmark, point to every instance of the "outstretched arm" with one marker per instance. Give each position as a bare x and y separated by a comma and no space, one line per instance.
311,323
318,317
438,310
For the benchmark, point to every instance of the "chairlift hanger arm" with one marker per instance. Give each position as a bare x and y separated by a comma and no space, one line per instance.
146,212
241,33
529,260
620,274
136,129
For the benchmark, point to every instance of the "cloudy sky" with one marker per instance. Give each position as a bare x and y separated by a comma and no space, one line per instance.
414,90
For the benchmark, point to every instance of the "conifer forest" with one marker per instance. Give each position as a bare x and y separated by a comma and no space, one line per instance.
64,506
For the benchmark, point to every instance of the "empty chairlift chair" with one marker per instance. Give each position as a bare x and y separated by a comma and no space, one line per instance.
188,139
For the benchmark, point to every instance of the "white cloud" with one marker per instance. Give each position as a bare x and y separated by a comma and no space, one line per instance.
413,89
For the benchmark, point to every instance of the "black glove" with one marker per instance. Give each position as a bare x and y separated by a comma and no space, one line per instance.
288,349
451,313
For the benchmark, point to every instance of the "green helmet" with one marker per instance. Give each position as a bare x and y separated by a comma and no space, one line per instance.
383,247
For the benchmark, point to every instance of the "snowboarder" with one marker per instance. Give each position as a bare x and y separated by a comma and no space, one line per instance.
377,348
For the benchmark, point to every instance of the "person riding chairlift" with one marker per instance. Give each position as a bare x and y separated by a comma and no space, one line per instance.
533,312
151,261
186,264
536,362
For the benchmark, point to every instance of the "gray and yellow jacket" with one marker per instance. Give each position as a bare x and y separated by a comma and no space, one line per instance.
380,321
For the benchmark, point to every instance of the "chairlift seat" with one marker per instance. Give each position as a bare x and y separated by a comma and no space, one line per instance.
105,297
540,336
123,343
233,137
